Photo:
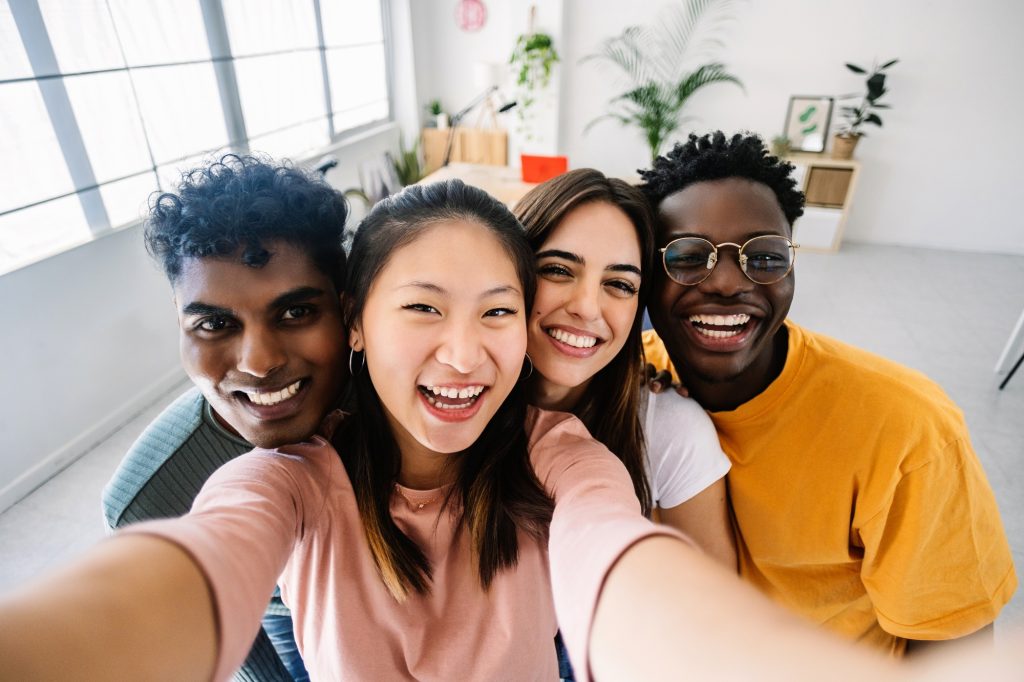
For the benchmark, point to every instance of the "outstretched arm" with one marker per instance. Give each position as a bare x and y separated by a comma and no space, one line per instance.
155,621
710,625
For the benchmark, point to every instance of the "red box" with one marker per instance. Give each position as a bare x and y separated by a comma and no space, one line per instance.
541,168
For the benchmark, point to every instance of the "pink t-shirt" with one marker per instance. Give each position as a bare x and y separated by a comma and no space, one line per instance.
289,517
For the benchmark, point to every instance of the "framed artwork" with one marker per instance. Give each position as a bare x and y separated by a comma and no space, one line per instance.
807,120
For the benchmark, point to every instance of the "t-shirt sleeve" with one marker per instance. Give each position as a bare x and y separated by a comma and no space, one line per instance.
597,517
240,532
937,564
683,453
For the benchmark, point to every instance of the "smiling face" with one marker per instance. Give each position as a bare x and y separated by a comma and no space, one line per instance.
588,277
722,334
264,345
444,336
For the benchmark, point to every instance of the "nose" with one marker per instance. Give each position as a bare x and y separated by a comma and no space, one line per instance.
461,348
261,353
727,278
583,301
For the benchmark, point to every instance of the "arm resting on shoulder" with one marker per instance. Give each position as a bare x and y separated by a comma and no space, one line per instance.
133,608
705,519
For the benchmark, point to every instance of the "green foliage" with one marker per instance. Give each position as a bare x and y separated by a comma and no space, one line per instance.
407,165
855,117
656,62
533,59
781,146
434,107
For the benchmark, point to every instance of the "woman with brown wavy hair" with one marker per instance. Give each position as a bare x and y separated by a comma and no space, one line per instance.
594,245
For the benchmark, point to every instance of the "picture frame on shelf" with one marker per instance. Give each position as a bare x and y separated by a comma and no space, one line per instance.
807,122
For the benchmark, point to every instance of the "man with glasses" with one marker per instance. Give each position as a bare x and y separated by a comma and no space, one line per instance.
858,500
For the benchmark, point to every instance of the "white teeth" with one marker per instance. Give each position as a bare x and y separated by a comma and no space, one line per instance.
721,320
452,392
572,339
716,334
267,399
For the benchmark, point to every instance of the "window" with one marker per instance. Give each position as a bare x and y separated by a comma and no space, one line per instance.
103,102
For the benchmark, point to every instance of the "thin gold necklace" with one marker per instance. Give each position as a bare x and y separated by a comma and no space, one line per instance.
418,505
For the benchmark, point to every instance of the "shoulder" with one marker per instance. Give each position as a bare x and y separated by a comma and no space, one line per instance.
672,419
547,430
669,406
876,382
559,442
180,432
303,473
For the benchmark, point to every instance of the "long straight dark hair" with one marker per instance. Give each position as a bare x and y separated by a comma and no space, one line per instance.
610,405
496,492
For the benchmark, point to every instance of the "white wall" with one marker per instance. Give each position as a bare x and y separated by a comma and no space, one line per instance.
942,173
446,57
90,339
90,336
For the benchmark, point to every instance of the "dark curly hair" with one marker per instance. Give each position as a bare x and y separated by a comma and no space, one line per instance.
713,157
243,202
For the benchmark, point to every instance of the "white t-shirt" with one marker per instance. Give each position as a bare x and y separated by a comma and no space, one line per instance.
683,453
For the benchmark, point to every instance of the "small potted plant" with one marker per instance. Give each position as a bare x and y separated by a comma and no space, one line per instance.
532,62
438,119
781,146
855,117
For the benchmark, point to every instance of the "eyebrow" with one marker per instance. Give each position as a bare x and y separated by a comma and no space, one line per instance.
440,291
572,257
564,255
297,295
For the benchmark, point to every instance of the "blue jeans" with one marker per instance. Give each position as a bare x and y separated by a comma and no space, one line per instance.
281,633
565,673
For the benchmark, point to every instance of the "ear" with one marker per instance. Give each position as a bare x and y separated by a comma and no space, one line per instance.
355,338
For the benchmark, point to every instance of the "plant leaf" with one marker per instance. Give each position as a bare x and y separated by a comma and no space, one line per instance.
873,118
855,68
888,64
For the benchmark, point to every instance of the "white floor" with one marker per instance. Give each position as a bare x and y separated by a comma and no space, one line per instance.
947,314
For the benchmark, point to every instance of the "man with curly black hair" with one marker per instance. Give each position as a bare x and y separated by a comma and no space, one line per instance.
253,251
857,497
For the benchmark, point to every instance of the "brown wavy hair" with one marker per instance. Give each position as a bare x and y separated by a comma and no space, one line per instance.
609,407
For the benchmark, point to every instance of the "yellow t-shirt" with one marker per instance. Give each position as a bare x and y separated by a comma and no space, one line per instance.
858,500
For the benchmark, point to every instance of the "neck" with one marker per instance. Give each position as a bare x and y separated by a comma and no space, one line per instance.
549,396
421,467
723,396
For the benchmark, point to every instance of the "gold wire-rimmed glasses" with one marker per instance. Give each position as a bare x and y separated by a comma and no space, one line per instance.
766,259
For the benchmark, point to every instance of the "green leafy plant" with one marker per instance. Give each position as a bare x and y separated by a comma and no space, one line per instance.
781,145
532,62
407,165
855,117
657,63
434,107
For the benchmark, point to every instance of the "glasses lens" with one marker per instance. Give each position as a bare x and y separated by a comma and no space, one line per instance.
769,258
686,260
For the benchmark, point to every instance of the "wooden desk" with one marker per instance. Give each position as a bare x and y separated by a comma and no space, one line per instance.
501,182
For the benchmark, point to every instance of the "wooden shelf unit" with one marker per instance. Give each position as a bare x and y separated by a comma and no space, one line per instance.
488,146
829,185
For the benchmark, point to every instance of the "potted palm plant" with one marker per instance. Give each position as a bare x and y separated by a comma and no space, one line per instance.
656,61
855,116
